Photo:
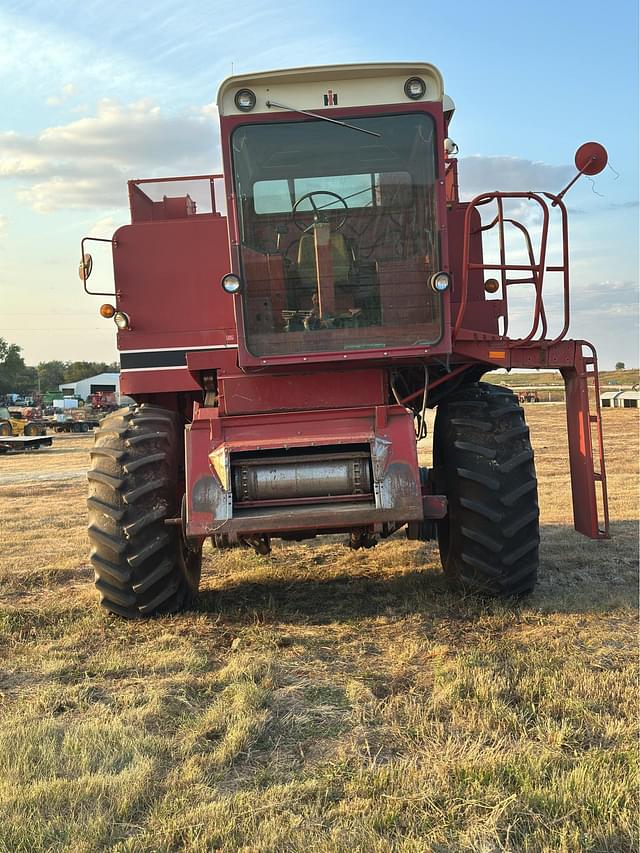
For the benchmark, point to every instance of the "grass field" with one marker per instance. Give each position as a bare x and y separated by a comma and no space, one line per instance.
532,378
321,699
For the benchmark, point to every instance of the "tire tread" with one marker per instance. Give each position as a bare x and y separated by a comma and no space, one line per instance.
142,567
489,540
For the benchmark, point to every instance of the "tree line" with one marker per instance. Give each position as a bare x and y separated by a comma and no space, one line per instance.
18,378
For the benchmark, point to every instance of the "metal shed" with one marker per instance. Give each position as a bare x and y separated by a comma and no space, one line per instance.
628,399
85,387
608,399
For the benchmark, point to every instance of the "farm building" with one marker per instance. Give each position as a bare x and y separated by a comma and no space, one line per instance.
84,387
608,399
620,399
628,399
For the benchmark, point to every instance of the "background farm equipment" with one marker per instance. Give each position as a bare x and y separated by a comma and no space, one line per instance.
17,422
103,401
528,397
77,421
18,433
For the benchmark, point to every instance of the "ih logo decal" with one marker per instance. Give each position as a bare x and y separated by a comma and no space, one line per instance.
330,99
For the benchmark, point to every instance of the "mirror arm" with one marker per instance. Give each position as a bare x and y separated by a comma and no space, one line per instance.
563,192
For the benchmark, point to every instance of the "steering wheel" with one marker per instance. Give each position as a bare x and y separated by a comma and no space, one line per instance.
318,215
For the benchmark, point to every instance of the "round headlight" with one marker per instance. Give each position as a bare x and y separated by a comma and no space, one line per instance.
231,283
492,285
245,100
121,320
414,88
440,282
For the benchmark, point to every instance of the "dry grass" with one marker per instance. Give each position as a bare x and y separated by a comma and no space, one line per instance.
321,698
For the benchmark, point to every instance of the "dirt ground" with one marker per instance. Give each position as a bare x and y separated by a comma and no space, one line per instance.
321,698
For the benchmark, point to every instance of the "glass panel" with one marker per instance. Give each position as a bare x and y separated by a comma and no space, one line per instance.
338,234
273,196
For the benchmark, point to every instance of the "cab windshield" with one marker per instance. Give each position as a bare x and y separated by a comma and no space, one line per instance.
338,234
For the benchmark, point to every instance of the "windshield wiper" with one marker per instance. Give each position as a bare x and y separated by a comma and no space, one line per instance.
323,118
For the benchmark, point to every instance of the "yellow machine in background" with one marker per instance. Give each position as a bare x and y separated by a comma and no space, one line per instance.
13,425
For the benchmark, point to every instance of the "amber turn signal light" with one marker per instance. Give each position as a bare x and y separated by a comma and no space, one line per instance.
107,310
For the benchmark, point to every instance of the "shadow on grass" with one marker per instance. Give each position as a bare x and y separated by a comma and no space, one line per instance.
345,597
576,576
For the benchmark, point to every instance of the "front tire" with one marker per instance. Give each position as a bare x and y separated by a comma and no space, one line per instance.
142,566
484,465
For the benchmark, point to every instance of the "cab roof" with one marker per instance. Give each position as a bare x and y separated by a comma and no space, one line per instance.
325,86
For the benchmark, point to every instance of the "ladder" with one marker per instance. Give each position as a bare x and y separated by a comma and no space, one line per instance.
584,427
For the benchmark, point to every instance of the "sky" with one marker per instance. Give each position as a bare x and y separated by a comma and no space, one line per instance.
96,93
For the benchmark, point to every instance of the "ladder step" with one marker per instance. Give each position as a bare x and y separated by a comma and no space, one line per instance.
594,419
597,477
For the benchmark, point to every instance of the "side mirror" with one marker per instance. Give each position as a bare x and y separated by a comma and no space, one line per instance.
590,159
85,267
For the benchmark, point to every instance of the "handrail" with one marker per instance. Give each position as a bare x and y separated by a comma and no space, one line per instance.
175,179
536,269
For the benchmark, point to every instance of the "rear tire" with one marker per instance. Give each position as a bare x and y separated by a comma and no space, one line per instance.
484,465
32,429
5,428
142,566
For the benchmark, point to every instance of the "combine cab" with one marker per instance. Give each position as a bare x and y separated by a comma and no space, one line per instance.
285,328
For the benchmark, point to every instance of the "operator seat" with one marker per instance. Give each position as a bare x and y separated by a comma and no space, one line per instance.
341,258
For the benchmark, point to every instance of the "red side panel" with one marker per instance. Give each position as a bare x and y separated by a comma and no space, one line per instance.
156,381
481,314
250,394
167,276
168,281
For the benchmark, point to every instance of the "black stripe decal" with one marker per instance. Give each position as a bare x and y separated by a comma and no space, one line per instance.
161,358
156,358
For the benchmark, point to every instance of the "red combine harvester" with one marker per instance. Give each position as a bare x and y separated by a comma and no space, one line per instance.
284,329
103,401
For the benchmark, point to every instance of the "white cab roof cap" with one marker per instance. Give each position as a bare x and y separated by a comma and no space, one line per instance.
325,86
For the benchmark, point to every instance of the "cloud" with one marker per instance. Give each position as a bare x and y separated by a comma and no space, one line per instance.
613,298
208,110
105,225
480,174
37,51
597,300
86,162
4,224
176,54
68,91
624,205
